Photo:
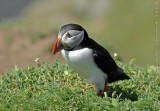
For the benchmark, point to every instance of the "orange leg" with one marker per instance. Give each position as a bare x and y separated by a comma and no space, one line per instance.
104,90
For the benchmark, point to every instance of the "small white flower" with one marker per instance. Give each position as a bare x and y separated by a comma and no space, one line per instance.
115,54
105,94
66,72
36,60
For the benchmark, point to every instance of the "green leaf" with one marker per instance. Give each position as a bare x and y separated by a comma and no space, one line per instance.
115,102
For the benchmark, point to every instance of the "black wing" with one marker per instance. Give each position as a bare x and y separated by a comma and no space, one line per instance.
106,63
102,57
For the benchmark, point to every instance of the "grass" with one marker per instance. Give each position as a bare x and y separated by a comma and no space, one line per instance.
23,47
36,36
9,40
55,87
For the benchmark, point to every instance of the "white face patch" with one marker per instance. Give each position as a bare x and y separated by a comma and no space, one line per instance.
72,38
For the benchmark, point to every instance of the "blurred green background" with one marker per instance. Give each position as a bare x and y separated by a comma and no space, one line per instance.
126,27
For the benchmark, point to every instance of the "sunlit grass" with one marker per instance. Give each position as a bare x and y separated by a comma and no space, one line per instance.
55,87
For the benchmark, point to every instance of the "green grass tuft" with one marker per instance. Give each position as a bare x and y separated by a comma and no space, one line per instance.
9,40
55,87
36,36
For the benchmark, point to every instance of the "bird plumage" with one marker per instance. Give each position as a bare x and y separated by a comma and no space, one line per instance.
88,58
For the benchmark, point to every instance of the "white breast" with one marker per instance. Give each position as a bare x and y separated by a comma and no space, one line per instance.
82,62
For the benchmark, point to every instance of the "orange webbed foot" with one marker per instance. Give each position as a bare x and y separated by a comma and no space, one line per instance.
104,90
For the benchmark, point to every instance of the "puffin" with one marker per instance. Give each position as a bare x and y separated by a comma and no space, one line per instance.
86,57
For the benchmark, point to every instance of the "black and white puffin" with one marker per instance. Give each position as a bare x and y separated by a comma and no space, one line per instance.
88,58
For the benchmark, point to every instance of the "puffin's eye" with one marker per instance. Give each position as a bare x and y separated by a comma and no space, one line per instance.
69,35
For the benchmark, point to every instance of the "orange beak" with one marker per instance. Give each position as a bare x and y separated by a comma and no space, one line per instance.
58,46
55,49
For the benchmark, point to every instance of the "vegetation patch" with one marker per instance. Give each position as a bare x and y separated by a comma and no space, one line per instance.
55,87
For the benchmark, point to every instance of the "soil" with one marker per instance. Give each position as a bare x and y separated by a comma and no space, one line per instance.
17,49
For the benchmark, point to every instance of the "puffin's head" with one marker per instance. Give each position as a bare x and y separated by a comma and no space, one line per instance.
69,36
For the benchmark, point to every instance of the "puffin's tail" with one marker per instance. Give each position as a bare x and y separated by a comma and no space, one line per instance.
117,75
123,76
